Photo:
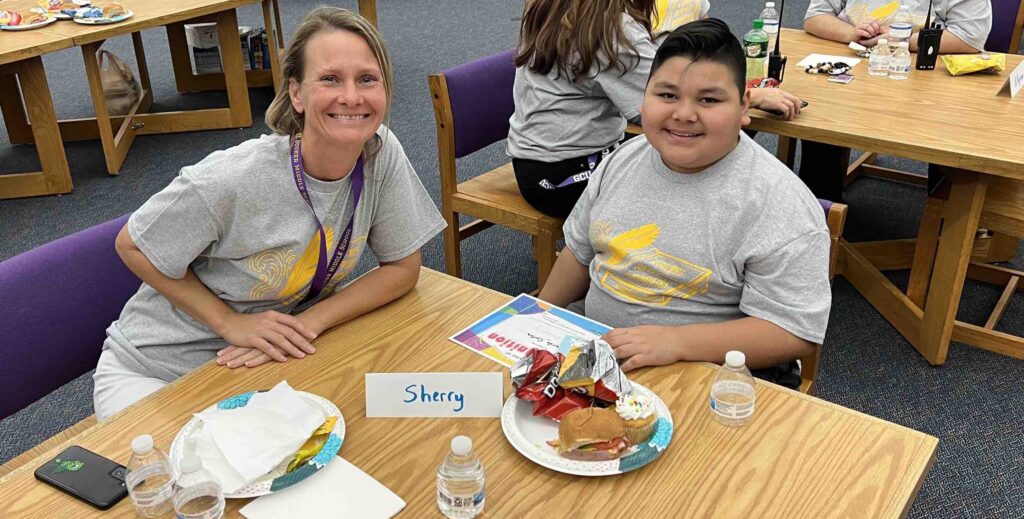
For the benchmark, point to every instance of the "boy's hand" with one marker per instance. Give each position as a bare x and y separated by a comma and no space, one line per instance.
775,99
644,346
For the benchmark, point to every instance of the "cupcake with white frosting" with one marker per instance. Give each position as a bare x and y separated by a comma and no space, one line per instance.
637,411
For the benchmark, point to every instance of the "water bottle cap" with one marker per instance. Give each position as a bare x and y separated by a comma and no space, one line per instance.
142,443
903,45
735,359
883,41
769,4
462,445
759,24
190,463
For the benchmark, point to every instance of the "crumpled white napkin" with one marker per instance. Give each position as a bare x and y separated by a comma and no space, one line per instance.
240,445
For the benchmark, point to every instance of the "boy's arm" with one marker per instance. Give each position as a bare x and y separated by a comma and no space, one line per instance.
568,281
764,343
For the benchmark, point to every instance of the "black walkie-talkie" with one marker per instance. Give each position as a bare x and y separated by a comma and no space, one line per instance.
928,42
776,61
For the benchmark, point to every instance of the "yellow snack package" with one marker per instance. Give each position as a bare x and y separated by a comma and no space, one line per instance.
960,64
313,444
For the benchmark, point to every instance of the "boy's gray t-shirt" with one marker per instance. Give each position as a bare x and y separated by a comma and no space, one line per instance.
556,119
238,221
969,20
744,237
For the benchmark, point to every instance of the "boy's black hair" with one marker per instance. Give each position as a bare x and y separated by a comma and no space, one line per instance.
708,39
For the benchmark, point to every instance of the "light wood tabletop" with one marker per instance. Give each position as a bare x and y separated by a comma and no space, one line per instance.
800,456
932,116
19,45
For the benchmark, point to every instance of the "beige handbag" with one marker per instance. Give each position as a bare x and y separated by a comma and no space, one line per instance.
120,89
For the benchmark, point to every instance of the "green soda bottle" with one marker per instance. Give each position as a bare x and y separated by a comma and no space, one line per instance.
755,46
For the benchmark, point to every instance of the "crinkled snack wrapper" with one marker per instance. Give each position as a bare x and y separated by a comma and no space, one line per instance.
558,384
960,64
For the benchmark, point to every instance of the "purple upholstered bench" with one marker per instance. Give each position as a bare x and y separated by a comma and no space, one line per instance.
55,303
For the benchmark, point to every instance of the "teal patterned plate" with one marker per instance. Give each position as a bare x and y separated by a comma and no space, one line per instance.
529,434
275,480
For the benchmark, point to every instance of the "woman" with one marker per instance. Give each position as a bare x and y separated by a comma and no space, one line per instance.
581,71
244,255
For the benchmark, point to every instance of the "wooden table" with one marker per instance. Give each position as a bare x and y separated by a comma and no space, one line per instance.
800,456
117,133
954,122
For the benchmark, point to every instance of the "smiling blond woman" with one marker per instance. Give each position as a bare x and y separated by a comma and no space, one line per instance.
246,256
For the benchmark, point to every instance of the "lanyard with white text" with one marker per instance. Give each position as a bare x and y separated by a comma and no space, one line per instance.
325,270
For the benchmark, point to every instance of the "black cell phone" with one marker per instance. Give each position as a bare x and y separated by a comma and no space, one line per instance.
803,104
85,475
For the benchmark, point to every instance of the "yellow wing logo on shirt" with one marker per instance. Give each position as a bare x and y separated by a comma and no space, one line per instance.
669,14
637,271
275,268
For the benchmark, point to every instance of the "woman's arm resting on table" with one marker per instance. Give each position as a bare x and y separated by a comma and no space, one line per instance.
764,343
830,27
375,289
568,281
951,44
275,333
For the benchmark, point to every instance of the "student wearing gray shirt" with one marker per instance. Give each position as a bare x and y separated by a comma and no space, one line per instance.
967,22
693,240
246,256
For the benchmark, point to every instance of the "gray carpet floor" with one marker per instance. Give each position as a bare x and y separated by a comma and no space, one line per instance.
972,403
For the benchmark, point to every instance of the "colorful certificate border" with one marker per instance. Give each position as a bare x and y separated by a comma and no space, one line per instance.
523,304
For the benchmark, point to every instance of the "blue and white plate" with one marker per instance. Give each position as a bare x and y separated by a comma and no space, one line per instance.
102,21
275,480
529,435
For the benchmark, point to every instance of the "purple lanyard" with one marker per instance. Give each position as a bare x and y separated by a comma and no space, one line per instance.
592,160
325,271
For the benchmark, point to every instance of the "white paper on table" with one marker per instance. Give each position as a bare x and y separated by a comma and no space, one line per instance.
540,330
338,490
814,59
240,445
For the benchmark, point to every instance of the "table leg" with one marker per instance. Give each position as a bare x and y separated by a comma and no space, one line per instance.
181,60
13,109
368,10
55,177
786,151
234,71
115,147
963,210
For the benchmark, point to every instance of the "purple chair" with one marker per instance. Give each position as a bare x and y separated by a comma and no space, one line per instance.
472,105
56,301
1007,21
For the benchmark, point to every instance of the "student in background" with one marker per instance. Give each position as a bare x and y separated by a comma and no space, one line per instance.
581,69
245,257
967,24
692,240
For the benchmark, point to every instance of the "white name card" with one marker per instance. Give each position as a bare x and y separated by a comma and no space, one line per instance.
448,395
1014,83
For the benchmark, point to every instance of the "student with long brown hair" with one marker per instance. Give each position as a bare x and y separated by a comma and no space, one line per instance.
246,256
581,70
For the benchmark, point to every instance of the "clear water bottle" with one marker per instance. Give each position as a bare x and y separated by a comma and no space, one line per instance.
460,481
732,391
901,27
878,62
149,478
197,493
899,65
770,17
755,46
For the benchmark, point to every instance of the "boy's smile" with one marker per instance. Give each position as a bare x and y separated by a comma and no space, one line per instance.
692,113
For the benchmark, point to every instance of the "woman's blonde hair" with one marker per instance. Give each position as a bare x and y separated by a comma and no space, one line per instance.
572,35
281,116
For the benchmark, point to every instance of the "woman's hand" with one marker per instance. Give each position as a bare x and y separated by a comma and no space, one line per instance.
237,357
867,30
775,99
644,346
274,334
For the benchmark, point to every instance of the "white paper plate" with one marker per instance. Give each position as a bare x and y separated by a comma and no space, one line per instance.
104,21
28,27
529,435
276,479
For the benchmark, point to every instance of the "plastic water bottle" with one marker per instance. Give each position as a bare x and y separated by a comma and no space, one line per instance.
197,493
901,27
150,478
878,63
460,481
755,45
899,65
732,391
770,17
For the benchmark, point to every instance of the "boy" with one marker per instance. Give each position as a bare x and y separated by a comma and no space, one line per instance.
967,23
693,240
